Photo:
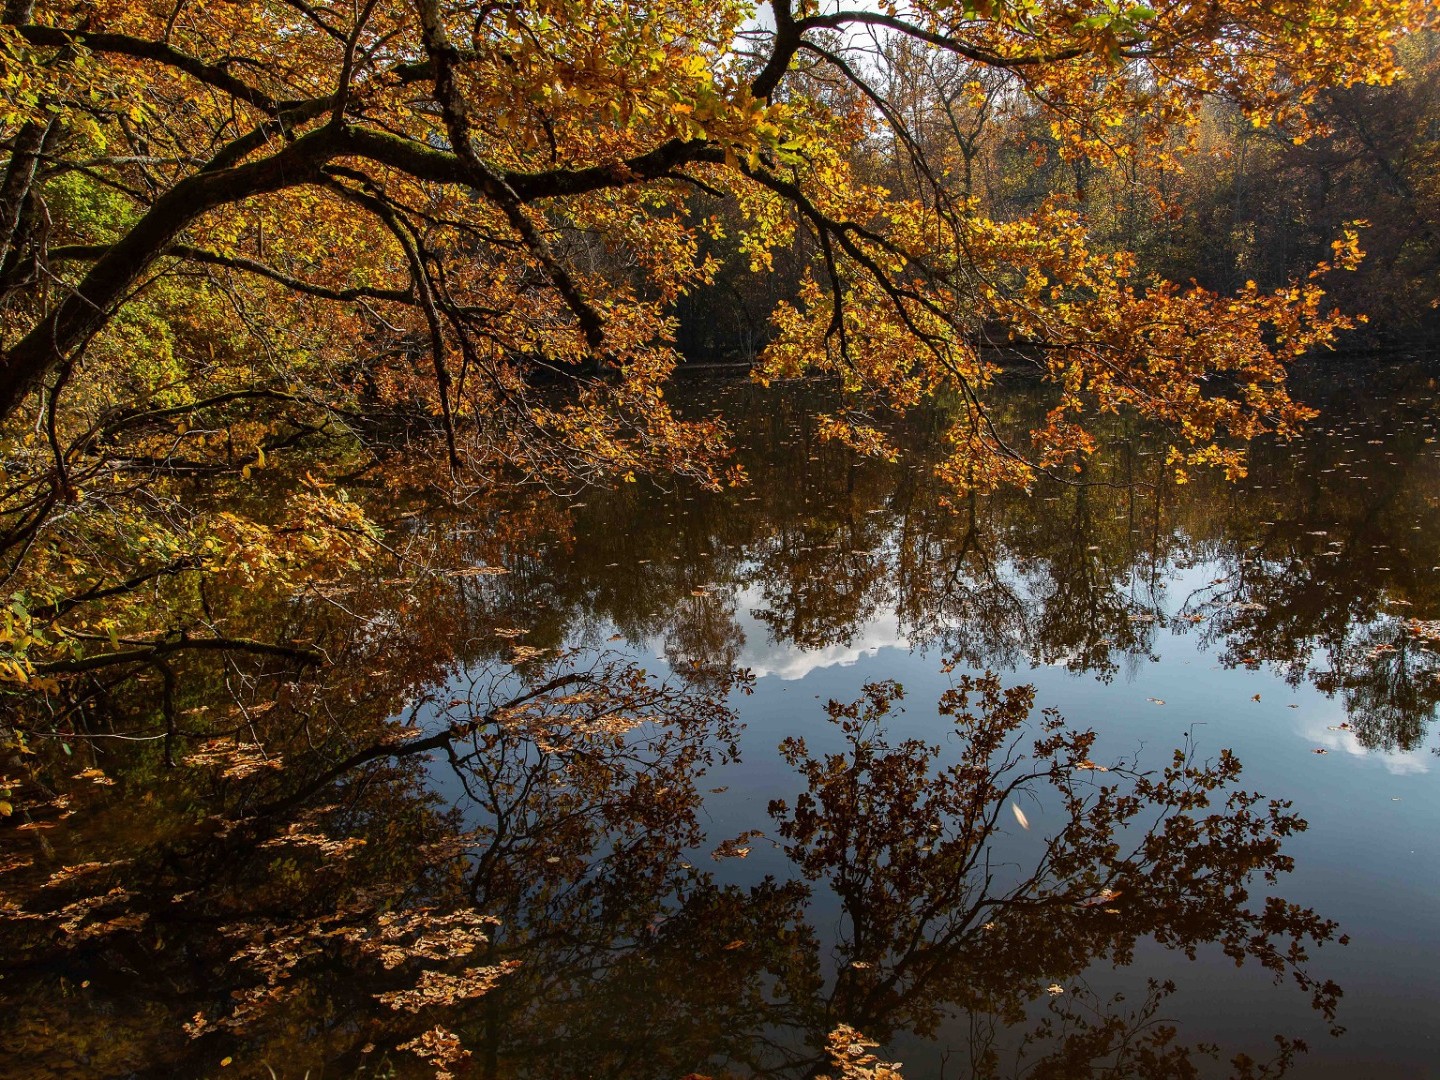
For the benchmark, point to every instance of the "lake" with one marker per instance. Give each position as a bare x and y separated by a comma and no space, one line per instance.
1205,830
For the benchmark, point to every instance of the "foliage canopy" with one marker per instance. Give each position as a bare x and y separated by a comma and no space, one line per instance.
434,203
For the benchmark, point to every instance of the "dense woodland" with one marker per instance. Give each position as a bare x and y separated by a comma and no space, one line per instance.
321,321
1237,202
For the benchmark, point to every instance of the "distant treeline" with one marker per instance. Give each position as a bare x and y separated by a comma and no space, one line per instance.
1227,204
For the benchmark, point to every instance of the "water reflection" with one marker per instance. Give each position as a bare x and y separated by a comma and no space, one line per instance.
327,846
1317,565
287,907
554,915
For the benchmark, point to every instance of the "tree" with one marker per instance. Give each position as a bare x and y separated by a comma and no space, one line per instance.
446,162
235,235
1263,204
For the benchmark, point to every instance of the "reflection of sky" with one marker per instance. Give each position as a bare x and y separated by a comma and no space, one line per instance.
1179,661
1325,732
1364,861
1367,859
787,661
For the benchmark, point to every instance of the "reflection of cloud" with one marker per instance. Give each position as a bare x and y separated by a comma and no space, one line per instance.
788,661
1396,762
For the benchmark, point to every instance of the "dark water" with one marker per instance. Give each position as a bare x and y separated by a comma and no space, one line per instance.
880,874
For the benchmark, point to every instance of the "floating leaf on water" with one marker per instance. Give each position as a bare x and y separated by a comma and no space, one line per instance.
736,847
1156,700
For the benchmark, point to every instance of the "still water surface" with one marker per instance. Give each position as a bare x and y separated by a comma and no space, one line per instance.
1286,618
704,894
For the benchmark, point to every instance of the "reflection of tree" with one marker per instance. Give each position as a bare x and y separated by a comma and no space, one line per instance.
1326,534
1388,676
281,907
1083,578
821,584
997,579
547,922
1070,573
702,638
576,833
1332,537
952,589
1313,547
933,923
